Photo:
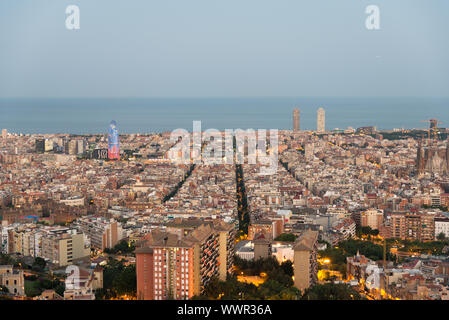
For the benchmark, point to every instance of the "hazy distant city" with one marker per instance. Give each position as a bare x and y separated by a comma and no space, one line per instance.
201,152
358,211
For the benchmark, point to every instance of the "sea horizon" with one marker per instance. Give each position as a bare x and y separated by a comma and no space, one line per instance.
162,114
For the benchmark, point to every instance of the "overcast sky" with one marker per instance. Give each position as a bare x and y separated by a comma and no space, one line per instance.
223,48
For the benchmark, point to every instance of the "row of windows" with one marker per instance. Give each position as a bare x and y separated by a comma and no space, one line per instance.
7,282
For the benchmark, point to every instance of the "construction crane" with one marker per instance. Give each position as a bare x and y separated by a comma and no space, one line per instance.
433,129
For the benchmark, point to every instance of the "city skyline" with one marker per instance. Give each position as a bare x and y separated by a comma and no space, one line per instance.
228,158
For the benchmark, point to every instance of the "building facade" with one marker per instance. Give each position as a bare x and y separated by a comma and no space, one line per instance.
372,218
13,280
113,142
63,247
441,226
103,233
296,120
419,227
321,121
305,264
178,266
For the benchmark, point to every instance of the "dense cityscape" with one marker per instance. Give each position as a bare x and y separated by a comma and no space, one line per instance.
352,214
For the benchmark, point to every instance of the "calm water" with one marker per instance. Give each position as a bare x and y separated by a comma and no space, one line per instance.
83,116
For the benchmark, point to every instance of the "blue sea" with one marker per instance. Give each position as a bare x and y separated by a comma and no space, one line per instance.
144,115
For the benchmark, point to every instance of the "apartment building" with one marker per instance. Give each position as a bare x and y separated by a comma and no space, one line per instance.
27,242
226,238
205,243
262,246
372,218
178,265
13,280
64,246
103,233
5,236
165,268
305,264
441,226
273,226
145,273
419,227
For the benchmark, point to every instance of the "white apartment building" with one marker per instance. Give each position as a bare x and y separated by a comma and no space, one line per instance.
442,226
103,233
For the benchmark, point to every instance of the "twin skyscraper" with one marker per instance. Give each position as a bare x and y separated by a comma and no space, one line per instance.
320,122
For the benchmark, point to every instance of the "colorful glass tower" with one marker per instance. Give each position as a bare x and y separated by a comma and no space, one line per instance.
113,143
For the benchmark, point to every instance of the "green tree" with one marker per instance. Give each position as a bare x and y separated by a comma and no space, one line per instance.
4,289
278,284
39,264
6,259
118,279
287,268
121,247
331,291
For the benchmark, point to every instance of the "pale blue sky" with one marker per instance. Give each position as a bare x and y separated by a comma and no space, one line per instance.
196,48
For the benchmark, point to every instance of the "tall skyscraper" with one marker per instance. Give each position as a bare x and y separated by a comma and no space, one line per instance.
296,120
321,121
113,143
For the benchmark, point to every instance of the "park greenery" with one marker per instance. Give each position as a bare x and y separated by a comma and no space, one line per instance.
441,236
6,259
331,291
39,264
366,231
438,248
269,265
348,248
36,284
118,280
278,284
232,289
121,248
